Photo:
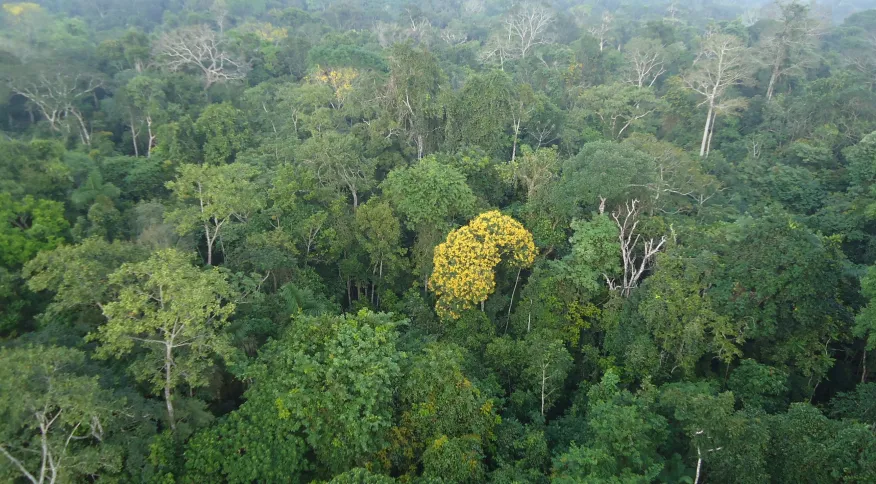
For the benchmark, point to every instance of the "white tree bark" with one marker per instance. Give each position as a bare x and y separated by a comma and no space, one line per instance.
646,63
527,27
634,264
721,64
601,31
56,95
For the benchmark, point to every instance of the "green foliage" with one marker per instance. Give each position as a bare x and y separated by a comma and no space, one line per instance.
330,380
201,204
765,287
214,196
93,190
617,110
857,404
522,451
379,233
623,435
360,476
682,318
594,254
36,168
429,193
758,386
865,322
439,405
252,443
78,275
480,114
339,163
808,447
29,226
606,170
224,132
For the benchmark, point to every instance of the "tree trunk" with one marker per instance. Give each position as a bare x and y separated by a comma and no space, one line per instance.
516,135
711,132
773,78
134,138
511,304
83,127
209,245
168,364
706,131
543,385
151,136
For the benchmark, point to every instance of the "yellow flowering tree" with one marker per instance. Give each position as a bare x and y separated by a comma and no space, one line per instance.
340,80
18,10
465,263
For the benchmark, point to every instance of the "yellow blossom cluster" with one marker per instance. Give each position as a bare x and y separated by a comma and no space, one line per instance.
18,9
269,33
340,80
465,263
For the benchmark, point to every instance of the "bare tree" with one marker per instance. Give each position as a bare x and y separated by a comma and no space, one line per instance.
454,36
627,220
57,96
749,17
220,12
388,33
646,61
199,48
419,28
497,49
672,11
527,26
792,47
473,7
602,31
721,64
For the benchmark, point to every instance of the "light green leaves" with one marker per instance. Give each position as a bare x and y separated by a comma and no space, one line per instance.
175,313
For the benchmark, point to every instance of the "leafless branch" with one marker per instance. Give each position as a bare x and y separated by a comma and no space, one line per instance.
202,49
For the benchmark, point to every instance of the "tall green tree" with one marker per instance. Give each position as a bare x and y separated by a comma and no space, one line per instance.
624,433
170,314
481,113
213,197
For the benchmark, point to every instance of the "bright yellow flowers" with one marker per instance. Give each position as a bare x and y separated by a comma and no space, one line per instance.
464,264
19,9
340,80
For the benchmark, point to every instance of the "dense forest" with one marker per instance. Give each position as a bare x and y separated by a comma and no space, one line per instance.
439,241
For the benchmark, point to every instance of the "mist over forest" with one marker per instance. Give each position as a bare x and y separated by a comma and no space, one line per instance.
434,242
